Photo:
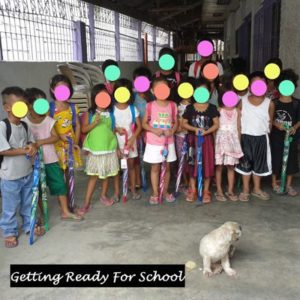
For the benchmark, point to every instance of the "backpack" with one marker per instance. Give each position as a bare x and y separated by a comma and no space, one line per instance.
177,76
173,108
73,109
196,68
109,87
8,133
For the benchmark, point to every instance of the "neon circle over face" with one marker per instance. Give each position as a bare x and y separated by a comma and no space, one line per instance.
122,94
211,71
258,87
201,95
112,73
240,82
41,106
103,100
62,93
286,88
161,91
142,84
166,62
185,90
272,71
230,99
19,109
205,48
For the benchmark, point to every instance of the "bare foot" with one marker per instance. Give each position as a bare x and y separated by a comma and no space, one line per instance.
11,242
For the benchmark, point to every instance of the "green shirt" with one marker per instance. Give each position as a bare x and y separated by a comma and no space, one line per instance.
101,139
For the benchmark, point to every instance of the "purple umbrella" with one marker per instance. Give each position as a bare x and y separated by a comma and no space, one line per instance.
163,170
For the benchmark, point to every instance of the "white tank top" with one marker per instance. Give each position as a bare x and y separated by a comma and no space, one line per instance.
255,119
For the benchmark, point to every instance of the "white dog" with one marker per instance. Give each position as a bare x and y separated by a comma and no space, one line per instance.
216,248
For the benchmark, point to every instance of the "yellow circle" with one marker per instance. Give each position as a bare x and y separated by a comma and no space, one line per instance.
122,94
20,109
272,71
185,90
240,82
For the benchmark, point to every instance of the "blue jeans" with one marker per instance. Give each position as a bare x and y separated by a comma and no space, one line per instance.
16,193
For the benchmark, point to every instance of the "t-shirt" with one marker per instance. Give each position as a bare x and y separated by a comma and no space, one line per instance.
286,113
101,140
181,110
15,167
192,70
42,131
161,117
204,119
214,98
140,103
123,119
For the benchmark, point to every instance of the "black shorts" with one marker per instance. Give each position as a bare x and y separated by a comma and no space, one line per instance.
257,156
277,145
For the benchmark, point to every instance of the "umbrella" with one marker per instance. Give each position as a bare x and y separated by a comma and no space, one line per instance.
71,175
163,170
35,197
184,150
143,172
199,165
125,171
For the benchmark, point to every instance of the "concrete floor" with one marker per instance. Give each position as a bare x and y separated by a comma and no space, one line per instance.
267,257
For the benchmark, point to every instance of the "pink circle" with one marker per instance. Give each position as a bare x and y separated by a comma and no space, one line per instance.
258,88
62,93
230,99
142,84
205,48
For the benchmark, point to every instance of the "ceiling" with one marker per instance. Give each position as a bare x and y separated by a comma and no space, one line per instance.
186,17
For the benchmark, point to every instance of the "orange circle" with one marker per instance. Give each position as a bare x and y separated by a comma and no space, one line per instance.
211,71
161,91
103,100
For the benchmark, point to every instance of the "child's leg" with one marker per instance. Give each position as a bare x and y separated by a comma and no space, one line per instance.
274,181
167,179
192,183
290,190
131,171
104,190
289,180
231,179
155,171
246,184
256,184
219,169
206,184
138,180
117,186
90,190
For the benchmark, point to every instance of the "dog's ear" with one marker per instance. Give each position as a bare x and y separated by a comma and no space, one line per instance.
227,234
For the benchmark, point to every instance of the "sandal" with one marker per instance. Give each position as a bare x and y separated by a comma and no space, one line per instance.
72,218
11,242
244,197
261,195
232,197
206,196
169,198
191,195
153,200
291,191
116,199
39,230
136,196
106,201
83,210
220,198
276,189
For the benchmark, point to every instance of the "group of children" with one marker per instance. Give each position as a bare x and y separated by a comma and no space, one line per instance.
237,138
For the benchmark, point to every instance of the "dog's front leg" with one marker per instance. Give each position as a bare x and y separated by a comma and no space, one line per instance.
207,266
226,266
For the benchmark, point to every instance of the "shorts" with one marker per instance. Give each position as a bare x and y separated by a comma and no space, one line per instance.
257,156
153,154
55,180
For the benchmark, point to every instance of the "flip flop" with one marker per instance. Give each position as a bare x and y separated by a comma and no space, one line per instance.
276,189
232,197
72,218
262,195
206,197
291,191
243,197
11,242
220,198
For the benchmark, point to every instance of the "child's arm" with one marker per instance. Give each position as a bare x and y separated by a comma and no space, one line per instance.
213,128
86,127
188,127
51,140
239,125
149,128
14,152
172,131
271,114
77,132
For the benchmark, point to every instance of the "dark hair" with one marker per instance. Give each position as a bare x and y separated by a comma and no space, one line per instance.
142,71
108,63
259,74
190,80
275,60
60,78
166,50
94,92
12,90
216,81
124,82
287,74
32,94
159,79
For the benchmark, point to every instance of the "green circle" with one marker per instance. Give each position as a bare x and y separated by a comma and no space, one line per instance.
286,88
112,73
201,95
41,106
166,62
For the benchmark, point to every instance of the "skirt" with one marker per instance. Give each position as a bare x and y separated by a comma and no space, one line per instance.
102,165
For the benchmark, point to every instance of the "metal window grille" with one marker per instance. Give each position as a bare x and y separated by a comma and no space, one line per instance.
162,40
147,28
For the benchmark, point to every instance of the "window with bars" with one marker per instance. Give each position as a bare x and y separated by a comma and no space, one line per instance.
43,30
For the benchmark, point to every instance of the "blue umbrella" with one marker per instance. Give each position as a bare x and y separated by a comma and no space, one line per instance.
200,141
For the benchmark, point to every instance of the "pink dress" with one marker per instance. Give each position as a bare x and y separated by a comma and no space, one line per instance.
228,149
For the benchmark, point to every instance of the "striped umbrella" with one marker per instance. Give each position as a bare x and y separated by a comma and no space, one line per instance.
163,170
143,172
71,174
35,197
199,165
43,185
184,150
125,171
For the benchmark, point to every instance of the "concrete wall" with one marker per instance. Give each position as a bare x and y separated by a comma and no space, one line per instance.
38,74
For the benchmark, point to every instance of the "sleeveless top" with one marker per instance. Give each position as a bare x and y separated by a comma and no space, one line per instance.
228,120
255,119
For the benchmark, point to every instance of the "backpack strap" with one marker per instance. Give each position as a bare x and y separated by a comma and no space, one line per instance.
178,77
8,129
113,119
90,117
52,109
173,112
73,109
196,68
109,87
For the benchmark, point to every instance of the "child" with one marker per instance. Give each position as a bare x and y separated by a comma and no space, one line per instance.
272,90
140,102
160,122
42,128
181,133
227,149
67,124
101,144
127,120
201,118
16,170
256,120
287,111
109,85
